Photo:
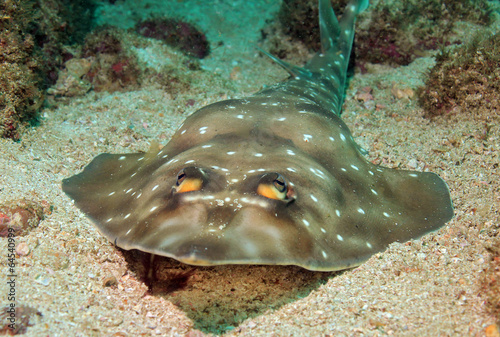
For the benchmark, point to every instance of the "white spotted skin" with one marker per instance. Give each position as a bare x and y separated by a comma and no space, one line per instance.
339,208
336,212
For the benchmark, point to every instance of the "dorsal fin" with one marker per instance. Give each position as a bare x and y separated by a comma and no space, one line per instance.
293,70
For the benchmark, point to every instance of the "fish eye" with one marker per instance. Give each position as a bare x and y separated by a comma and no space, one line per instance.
274,186
180,177
279,183
188,180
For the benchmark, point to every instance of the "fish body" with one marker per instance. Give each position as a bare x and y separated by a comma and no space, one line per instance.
275,178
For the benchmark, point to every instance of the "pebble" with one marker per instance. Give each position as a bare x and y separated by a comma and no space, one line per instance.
400,93
251,325
22,249
364,94
45,281
22,215
491,331
109,281
412,164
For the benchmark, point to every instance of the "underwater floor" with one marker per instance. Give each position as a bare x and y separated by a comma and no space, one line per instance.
82,285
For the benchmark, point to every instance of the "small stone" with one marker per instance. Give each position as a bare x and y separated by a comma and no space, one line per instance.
491,331
364,94
109,281
22,249
112,321
69,81
412,164
78,67
41,279
20,215
120,334
400,93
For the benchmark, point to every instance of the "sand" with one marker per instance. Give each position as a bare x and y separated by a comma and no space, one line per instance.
82,285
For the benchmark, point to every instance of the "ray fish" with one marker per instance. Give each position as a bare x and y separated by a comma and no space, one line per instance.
275,178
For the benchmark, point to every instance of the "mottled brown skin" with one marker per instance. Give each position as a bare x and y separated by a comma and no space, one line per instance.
275,178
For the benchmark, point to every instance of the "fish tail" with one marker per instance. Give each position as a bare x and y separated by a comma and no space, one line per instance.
322,79
335,35
329,65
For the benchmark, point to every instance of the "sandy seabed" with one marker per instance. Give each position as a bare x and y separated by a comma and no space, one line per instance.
84,286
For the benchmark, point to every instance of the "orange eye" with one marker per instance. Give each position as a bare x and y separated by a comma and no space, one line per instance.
180,178
277,189
186,184
189,184
269,191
